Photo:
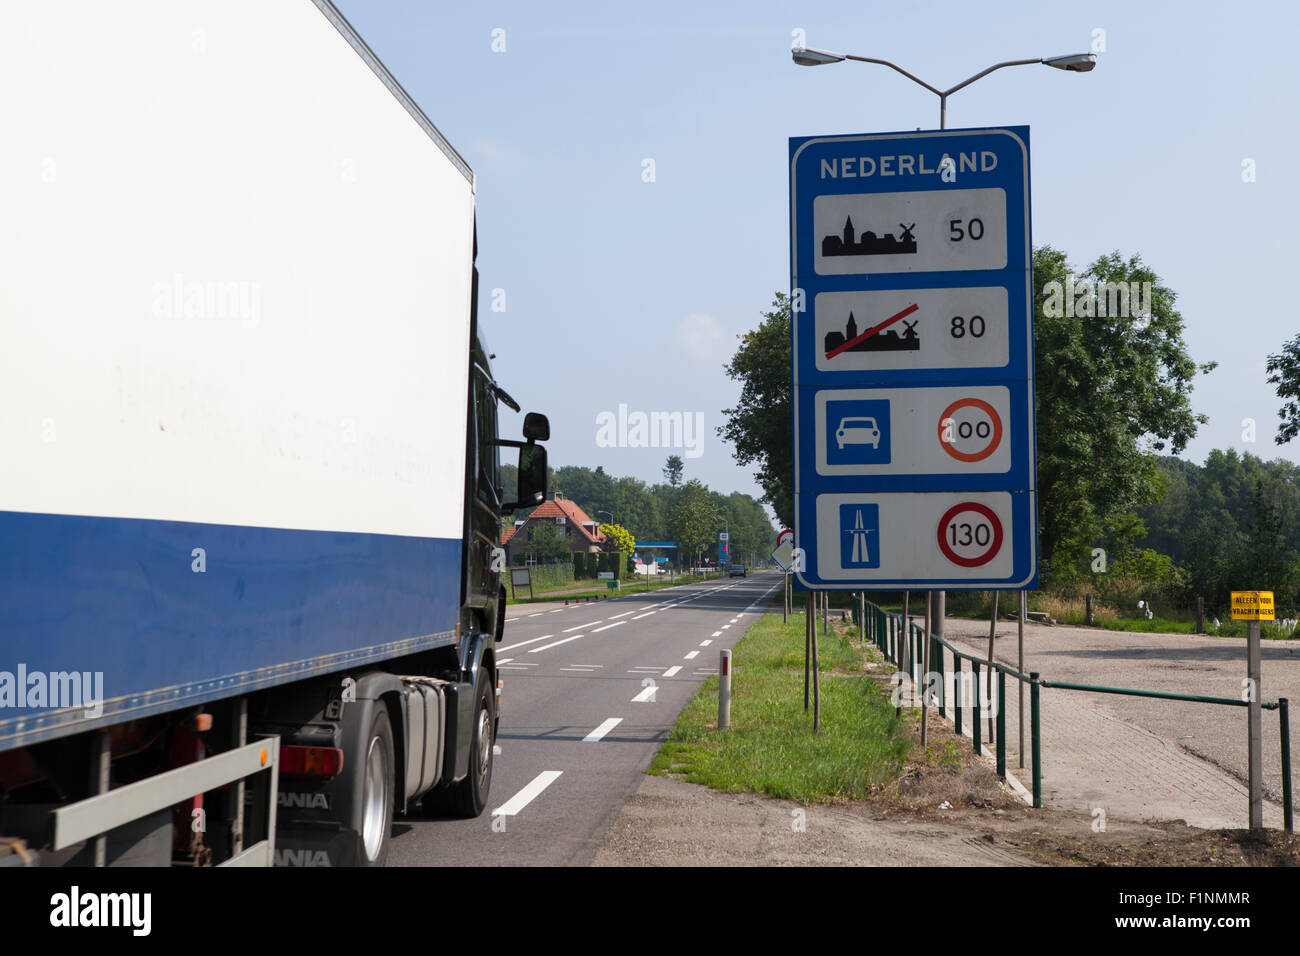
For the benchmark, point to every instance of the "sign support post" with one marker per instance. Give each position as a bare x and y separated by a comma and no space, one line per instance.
1253,607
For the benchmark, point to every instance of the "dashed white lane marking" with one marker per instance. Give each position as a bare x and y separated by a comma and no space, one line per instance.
520,665
646,614
647,694
646,667
624,614
532,640
580,626
608,626
537,614
602,730
692,655
705,643
725,626
545,647
583,668
672,671
716,634
556,611
528,794
505,660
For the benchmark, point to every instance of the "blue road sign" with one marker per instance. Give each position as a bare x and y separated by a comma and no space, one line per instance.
912,360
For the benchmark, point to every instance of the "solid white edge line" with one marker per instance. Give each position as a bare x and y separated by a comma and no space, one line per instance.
602,730
528,794
556,644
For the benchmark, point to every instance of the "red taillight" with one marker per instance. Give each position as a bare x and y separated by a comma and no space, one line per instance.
311,761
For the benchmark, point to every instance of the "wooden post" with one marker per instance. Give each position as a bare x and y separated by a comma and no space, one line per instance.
1200,615
809,625
925,668
817,684
1087,609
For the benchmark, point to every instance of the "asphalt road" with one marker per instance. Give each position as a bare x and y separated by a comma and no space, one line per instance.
590,692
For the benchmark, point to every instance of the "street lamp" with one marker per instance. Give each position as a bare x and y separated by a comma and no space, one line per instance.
1074,63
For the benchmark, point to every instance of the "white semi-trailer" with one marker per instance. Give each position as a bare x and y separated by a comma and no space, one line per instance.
249,471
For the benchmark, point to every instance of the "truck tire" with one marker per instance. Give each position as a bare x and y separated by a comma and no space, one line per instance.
469,797
374,822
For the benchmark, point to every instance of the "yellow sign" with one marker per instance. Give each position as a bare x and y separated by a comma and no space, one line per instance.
1252,605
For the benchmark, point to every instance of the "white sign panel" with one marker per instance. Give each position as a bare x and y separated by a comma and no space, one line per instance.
937,431
911,329
905,536
948,230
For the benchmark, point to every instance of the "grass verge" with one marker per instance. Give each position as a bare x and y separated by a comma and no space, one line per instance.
771,747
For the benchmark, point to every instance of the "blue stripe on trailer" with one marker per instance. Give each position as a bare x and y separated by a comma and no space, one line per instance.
122,597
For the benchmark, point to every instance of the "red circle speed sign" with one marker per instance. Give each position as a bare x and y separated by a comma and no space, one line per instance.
950,431
980,539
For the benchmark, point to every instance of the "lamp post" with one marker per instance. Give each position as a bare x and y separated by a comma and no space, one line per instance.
1074,63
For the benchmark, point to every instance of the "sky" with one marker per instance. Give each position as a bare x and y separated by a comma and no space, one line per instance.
633,184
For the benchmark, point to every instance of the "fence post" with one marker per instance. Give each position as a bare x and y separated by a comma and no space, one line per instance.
1200,615
1284,724
1087,609
1002,724
975,710
1036,735
956,692
943,687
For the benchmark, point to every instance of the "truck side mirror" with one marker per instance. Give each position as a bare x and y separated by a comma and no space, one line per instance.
532,478
537,427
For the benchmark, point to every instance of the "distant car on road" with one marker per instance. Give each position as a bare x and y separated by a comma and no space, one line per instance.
857,431
737,571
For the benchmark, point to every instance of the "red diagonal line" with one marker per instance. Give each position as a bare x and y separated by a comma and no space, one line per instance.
872,331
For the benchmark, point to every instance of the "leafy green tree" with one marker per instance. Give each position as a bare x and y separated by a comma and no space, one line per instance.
623,539
1111,392
1284,373
759,426
545,542
695,520
673,470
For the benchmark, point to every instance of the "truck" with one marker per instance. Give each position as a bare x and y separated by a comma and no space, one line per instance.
250,480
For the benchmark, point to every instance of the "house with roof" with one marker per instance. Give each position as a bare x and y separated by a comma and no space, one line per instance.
566,517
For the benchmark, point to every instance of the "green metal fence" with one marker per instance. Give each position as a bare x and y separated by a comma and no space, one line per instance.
887,631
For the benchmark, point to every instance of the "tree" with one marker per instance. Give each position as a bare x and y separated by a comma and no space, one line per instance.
694,520
623,539
759,427
673,470
1284,373
545,542
1111,391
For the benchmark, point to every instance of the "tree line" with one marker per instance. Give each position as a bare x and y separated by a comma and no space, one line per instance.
677,509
